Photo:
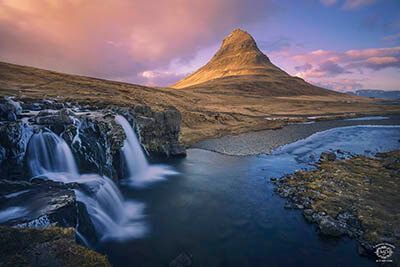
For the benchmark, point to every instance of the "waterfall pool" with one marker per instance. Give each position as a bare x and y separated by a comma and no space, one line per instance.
219,209
222,209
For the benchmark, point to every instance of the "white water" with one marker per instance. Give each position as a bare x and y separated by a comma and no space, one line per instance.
49,153
363,140
140,173
12,213
112,217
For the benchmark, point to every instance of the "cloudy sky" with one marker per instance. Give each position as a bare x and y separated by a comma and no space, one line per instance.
339,44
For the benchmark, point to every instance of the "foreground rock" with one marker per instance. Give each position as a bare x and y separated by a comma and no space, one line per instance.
45,247
44,203
355,197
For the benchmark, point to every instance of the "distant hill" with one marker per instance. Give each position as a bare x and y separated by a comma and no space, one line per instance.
377,93
240,66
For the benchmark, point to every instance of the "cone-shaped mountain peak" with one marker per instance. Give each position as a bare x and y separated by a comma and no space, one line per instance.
240,67
238,55
238,43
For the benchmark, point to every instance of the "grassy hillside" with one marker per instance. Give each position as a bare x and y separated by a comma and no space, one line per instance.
206,113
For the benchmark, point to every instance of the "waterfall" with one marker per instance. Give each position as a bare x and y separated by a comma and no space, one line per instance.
48,153
49,156
113,217
132,150
140,173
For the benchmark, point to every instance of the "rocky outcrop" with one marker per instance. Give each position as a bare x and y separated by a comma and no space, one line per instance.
350,197
9,109
14,138
93,134
44,203
51,246
158,131
95,140
327,156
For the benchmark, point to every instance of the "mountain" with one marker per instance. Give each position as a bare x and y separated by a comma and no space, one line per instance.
240,65
373,93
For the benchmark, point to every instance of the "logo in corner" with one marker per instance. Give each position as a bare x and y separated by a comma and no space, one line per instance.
384,251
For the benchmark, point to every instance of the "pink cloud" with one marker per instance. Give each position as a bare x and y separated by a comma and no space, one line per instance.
342,85
331,63
117,38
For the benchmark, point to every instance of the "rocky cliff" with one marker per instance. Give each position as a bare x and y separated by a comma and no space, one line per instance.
92,133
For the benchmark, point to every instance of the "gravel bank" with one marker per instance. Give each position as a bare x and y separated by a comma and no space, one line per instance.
263,142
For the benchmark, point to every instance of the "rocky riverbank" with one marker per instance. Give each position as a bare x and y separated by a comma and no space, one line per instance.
265,141
355,197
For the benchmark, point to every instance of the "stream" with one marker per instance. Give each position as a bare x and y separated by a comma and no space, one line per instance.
222,209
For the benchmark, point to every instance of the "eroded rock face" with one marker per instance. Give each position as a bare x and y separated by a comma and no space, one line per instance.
38,204
158,131
9,109
14,138
44,203
93,134
95,140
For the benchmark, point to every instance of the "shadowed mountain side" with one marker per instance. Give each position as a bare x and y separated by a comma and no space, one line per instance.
261,85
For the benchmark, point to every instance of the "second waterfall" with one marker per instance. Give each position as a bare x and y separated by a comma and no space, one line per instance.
139,172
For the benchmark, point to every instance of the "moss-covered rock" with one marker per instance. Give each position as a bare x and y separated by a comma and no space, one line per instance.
357,197
45,247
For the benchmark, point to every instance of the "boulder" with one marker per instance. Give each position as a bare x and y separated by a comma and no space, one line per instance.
330,227
9,109
327,156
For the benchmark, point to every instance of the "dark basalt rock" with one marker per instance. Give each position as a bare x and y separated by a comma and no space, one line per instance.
14,138
158,131
41,203
330,227
327,156
96,140
44,203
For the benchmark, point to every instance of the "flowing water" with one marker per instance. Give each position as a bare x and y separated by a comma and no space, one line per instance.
48,153
49,156
223,211
220,209
140,173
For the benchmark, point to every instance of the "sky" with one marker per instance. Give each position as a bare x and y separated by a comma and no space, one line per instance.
344,45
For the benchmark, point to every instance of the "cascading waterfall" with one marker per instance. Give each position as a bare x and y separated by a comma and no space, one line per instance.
140,173
48,153
110,214
134,156
50,156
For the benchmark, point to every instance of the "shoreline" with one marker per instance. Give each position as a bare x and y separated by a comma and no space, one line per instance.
348,197
265,141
